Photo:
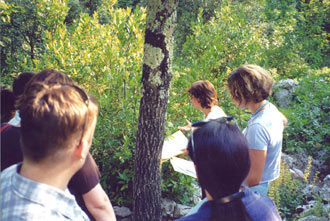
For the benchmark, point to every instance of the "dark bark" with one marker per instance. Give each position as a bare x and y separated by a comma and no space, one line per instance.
156,77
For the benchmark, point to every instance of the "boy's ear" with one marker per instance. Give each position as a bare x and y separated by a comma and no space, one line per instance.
80,151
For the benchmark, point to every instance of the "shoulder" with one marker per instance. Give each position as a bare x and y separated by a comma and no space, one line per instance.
31,211
260,207
216,112
8,172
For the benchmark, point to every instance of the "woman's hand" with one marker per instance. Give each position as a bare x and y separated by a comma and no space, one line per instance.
186,128
185,152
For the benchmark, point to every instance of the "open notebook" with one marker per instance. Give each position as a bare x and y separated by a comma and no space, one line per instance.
172,147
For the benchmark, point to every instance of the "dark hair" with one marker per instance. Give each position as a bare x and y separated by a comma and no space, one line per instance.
222,161
50,76
7,104
21,81
204,92
249,83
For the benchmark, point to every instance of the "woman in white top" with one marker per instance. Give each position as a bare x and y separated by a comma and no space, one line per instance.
203,97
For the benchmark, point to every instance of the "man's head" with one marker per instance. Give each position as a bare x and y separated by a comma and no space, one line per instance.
7,104
249,83
21,81
50,76
204,92
56,117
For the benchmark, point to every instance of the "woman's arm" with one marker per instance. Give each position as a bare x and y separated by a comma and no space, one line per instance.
284,119
258,159
98,204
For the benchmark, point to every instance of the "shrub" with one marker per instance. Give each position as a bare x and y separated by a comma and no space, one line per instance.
308,126
286,193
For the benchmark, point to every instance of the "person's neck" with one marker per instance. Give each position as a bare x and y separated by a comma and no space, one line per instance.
253,107
206,111
208,196
54,175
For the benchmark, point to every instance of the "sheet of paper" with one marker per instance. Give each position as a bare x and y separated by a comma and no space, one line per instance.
174,144
183,166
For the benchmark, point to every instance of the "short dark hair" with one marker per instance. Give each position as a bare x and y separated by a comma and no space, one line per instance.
221,157
51,76
204,92
7,104
249,83
21,81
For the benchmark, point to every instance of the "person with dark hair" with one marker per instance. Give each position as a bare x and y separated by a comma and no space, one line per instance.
203,97
220,154
249,87
18,88
7,105
84,185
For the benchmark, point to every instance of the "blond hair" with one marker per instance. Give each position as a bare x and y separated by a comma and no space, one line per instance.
53,117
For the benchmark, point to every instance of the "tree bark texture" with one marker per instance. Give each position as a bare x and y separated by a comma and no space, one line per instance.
156,77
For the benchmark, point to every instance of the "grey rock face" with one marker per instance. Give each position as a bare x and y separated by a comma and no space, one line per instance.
284,91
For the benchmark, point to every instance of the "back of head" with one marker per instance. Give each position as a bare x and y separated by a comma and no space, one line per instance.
221,157
53,117
249,83
205,92
7,104
21,81
50,76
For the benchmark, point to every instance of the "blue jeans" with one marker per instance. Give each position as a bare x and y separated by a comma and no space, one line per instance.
262,188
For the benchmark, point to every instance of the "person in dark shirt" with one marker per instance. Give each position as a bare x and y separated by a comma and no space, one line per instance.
7,105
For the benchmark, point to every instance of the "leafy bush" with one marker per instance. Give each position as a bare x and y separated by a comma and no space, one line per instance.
286,193
309,118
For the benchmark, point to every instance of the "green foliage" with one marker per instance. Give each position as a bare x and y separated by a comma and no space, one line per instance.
311,32
319,210
22,31
177,186
187,14
267,33
309,118
286,193
106,59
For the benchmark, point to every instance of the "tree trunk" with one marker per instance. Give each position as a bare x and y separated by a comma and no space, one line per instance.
156,77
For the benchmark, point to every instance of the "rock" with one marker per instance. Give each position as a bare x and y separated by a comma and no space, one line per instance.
311,190
326,181
325,193
168,207
288,160
312,218
297,174
181,210
122,211
305,208
284,91
196,198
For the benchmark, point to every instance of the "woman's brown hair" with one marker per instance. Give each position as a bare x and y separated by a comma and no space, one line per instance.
204,92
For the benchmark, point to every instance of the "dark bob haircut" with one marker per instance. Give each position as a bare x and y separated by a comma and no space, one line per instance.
222,161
